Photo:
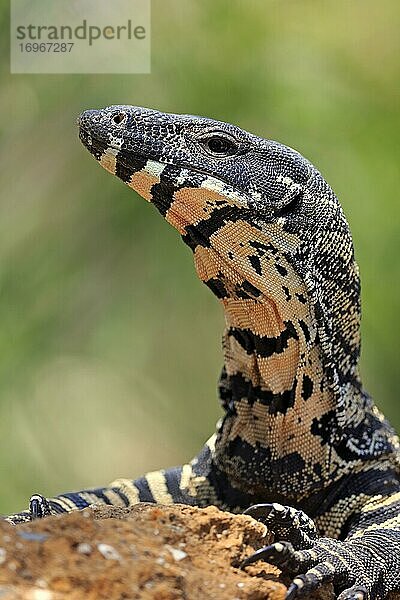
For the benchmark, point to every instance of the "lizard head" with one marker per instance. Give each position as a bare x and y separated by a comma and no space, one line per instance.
145,147
262,222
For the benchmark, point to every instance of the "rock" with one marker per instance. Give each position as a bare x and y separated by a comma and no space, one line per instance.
148,552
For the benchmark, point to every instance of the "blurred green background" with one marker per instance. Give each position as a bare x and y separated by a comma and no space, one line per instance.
110,346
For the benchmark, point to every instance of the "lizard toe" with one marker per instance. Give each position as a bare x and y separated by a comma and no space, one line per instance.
39,507
286,522
281,554
303,585
357,592
342,563
328,560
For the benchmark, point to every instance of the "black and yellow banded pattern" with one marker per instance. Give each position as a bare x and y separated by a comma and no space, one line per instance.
270,240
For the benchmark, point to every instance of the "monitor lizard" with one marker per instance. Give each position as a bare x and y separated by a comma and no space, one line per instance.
300,442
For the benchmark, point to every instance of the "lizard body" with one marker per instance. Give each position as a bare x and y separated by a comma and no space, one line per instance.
270,240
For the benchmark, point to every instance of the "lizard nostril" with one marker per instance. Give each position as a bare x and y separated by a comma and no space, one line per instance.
118,118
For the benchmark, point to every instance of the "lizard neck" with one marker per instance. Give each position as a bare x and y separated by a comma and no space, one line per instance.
276,429
296,416
274,393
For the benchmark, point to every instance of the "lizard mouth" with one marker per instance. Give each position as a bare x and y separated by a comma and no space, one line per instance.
99,148
95,146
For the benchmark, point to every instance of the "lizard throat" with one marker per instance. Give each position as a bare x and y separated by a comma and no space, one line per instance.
275,395
273,387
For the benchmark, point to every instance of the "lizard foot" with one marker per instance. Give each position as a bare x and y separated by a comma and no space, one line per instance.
286,522
39,507
354,567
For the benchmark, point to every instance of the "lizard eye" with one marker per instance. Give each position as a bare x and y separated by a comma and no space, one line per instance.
118,117
219,145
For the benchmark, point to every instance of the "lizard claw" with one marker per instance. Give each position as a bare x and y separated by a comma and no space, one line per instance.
39,507
280,553
357,592
328,561
303,585
286,523
291,592
294,587
313,561
260,512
